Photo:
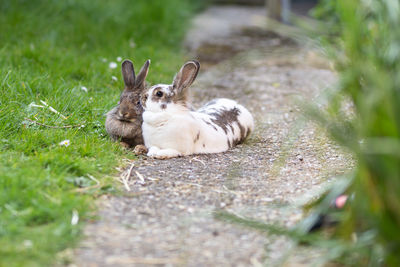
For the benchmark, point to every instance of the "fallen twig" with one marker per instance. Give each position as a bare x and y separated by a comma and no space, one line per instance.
84,189
53,109
202,162
142,181
54,127
125,178
93,179
152,179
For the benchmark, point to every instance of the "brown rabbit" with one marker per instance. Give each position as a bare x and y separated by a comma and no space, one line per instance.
124,122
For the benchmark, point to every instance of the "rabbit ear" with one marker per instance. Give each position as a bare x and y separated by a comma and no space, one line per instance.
139,83
128,72
186,75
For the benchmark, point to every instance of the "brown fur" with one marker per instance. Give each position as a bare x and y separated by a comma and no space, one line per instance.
225,119
124,122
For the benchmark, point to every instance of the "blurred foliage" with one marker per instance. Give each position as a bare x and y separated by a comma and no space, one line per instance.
367,58
325,10
362,37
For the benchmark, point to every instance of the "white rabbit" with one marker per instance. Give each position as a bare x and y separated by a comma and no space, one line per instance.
172,129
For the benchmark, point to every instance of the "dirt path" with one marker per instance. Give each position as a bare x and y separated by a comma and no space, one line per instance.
167,219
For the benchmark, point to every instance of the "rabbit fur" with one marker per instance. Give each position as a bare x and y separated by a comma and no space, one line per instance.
172,129
124,122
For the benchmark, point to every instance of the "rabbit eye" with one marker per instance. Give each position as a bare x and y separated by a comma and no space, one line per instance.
159,94
138,103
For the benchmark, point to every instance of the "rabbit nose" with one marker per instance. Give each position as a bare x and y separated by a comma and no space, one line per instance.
124,114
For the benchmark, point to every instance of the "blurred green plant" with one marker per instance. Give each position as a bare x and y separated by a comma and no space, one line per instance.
368,61
363,115
326,11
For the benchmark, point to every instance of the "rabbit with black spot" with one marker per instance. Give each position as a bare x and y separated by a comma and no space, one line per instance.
172,129
124,122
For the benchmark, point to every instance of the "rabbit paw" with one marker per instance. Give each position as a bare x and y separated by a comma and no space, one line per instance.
124,145
140,150
157,153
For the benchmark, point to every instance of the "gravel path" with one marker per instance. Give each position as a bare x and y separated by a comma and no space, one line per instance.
167,216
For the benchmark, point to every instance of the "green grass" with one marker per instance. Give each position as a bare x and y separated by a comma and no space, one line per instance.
48,50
